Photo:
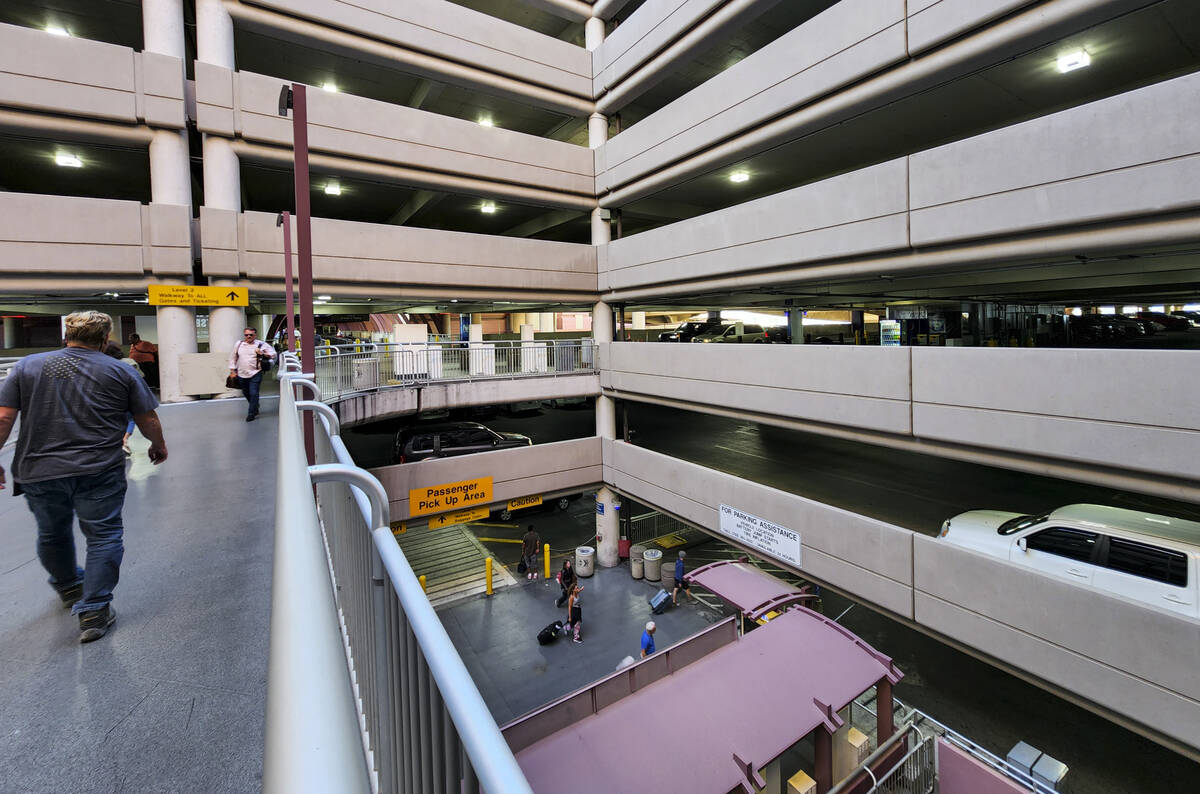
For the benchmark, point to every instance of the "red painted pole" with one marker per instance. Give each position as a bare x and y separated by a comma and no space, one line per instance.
289,289
304,246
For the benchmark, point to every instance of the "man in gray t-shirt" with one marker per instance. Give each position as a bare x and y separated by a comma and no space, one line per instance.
69,463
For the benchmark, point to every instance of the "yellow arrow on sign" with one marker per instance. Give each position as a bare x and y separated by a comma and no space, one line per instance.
187,295
459,517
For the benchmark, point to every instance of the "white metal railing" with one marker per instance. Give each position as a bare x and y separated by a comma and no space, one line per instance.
367,366
6,365
416,719
649,526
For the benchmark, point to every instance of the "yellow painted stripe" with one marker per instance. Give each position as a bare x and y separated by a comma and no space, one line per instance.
500,540
489,524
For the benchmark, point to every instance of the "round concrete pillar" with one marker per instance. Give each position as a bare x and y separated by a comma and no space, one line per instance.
639,321
602,323
607,531
527,332
546,322
593,33
475,333
10,333
162,28
170,175
597,130
214,34
606,417
176,329
601,230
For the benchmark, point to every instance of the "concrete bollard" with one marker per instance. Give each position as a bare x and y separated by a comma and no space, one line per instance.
421,579
546,553
488,574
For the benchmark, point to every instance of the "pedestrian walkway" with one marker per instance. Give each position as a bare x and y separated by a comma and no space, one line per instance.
452,560
497,637
173,698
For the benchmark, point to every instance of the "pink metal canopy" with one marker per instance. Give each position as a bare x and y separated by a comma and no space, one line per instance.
752,591
738,708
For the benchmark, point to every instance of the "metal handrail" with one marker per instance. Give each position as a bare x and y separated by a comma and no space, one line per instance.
420,704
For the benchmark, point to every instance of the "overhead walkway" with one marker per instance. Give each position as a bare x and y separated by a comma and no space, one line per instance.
173,698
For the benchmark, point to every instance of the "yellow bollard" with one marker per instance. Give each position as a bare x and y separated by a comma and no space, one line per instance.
421,579
488,565
546,552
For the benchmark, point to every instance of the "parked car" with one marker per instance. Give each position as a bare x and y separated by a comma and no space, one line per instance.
685,332
1191,317
559,502
1167,321
422,442
1144,327
736,332
1093,329
1140,556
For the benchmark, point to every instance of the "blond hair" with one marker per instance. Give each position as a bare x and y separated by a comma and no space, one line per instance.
88,328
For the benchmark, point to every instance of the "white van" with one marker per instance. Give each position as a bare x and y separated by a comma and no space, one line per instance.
1145,557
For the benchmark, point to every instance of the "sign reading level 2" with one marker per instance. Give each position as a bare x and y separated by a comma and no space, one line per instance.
184,295
449,496
459,517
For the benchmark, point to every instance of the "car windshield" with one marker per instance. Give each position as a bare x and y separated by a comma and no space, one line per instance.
1020,522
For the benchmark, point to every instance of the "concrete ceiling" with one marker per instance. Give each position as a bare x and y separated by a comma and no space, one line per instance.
113,21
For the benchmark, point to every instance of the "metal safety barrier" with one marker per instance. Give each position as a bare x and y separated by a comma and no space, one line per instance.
367,366
366,692
649,526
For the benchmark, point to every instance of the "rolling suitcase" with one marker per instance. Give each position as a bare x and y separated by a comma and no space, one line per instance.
548,634
659,601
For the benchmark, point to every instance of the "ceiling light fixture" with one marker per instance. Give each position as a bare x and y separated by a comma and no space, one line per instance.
330,87
333,189
324,297
57,30
486,121
739,176
1073,60
68,160
487,207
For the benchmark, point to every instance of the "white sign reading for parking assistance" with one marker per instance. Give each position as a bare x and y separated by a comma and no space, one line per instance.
780,542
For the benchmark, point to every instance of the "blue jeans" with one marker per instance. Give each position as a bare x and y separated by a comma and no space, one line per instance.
250,388
97,500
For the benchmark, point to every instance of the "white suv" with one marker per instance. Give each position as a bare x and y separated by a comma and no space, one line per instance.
1149,558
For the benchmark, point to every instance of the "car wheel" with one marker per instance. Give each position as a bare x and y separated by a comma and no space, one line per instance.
505,515
563,503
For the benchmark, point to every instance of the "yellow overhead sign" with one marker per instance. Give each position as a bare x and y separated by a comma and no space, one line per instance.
185,295
524,501
449,496
458,517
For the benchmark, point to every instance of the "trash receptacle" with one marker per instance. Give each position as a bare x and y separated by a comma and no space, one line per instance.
585,561
635,560
652,568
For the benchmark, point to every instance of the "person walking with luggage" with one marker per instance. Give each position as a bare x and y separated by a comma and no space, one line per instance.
575,611
680,584
566,580
530,544
68,460
249,359
648,639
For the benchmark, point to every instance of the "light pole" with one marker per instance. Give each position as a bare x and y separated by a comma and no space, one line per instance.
289,288
293,96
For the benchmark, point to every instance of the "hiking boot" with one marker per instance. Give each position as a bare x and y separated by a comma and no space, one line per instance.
94,625
70,595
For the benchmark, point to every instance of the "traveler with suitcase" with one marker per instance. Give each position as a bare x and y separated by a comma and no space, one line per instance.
679,583
550,633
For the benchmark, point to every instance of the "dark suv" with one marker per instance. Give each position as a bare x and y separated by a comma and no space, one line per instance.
450,439
686,331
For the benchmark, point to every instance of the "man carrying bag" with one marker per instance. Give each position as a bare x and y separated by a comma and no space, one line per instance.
249,359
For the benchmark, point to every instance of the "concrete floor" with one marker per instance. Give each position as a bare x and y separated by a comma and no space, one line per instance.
173,698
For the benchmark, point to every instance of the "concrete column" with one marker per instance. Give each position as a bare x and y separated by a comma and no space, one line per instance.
10,333
527,333
170,174
475,333
162,28
597,130
823,759
601,230
176,332
602,323
885,724
593,33
607,532
214,34
606,417
639,321
515,321
546,322
796,325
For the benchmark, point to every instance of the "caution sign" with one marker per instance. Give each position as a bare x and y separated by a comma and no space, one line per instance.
524,501
458,517
449,496
184,295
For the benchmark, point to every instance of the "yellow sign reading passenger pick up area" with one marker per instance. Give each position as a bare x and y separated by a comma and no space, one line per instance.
449,496
185,295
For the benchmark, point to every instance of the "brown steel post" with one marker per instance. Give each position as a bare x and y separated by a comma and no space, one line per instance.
304,248
885,724
289,288
823,759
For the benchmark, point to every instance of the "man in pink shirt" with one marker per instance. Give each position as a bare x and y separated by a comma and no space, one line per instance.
250,357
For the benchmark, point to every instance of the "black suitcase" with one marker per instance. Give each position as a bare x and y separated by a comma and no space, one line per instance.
547,635
659,601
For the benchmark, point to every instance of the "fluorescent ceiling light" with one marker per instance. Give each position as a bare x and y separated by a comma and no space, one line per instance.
1130,309
57,30
330,87
324,298
739,176
68,160
454,300
487,207
486,121
1073,60
333,189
